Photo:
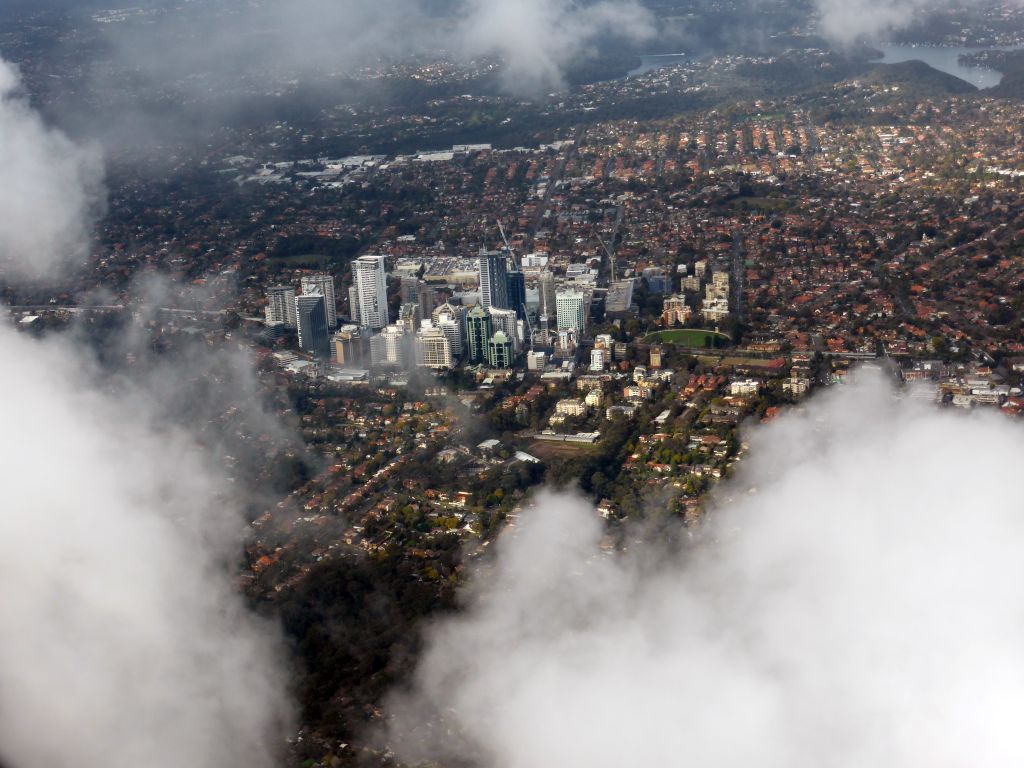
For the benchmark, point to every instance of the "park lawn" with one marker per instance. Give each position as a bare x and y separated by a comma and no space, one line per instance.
687,337
747,362
549,450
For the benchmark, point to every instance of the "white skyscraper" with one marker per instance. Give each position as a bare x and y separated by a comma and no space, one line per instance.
324,284
433,348
451,321
371,291
281,305
505,320
572,311
388,347
546,294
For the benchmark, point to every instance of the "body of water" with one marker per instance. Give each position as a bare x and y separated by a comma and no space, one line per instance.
943,58
946,59
656,61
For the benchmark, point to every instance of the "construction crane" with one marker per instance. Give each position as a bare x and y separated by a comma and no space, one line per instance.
518,268
508,247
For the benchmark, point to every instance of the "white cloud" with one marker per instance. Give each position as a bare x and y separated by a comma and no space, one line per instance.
860,607
123,642
537,39
847,21
215,56
48,188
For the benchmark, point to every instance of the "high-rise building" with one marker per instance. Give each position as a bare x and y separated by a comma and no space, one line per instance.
409,289
412,290
658,280
718,288
281,305
456,311
493,280
347,345
505,320
478,324
566,342
353,304
433,349
546,289
452,327
323,283
674,310
429,298
715,310
544,332
410,317
388,347
311,317
452,320
499,351
371,291
572,311
517,292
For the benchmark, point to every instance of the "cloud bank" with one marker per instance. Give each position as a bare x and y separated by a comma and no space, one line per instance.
49,188
856,601
848,22
197,55
124,642
538,39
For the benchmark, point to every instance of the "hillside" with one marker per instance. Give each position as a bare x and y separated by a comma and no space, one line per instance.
919,77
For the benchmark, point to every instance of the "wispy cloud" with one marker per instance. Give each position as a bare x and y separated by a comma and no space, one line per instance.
848,22
124,641
853,602
49,188
538,39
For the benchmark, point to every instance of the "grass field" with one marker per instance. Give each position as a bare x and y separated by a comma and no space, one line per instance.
546,450
744,361
688,337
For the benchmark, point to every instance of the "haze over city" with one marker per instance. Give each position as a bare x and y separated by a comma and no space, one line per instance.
508,384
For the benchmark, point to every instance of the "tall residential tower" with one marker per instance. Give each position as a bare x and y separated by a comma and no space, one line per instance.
572,309
371,291
281,305
323,283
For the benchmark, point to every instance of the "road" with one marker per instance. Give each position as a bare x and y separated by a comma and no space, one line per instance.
736,279
619,215
553,181
59,307
75,309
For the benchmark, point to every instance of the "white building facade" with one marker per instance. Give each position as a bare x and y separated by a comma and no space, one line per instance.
371,291
281,305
